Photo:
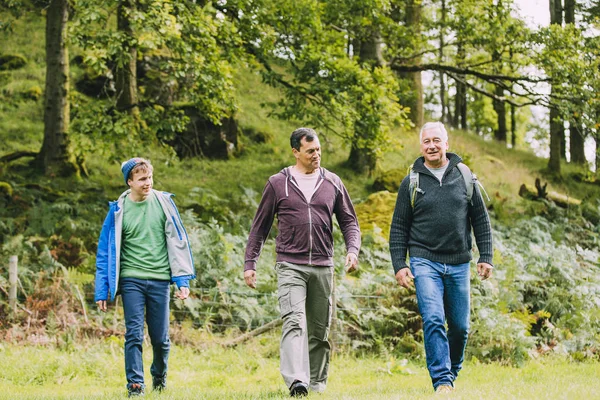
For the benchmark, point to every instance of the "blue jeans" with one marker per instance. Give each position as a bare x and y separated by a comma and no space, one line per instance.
151,296
443,295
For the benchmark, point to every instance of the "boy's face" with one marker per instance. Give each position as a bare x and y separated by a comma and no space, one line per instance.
141,183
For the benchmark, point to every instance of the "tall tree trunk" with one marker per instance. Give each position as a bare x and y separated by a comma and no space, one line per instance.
126,75
415,102
500,108
554,162
55,156
556,125
513,126
361,159
577,141
460,98
441,61
576,133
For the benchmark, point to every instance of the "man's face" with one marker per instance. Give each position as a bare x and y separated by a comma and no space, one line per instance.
141,183
309,155
433,147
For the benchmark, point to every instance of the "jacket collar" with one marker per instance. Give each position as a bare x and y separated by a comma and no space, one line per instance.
419,164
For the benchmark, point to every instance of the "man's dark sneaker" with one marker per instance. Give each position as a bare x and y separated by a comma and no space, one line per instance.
159,383
298,389
135,389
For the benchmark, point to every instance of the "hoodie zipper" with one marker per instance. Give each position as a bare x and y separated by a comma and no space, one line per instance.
310,235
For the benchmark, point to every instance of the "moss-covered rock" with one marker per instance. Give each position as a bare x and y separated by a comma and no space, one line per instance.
12,61
33,93
376,211
389,180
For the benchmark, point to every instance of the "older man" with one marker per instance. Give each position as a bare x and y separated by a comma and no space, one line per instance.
437,205
304,197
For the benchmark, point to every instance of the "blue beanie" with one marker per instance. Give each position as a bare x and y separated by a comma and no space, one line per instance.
127,166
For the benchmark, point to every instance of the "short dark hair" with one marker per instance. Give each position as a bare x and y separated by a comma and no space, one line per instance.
300,133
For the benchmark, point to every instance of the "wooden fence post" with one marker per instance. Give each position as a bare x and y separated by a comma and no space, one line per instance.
12,281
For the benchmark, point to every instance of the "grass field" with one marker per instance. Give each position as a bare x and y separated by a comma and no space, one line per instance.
251,372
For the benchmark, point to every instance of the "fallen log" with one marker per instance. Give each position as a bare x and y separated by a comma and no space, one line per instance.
258,331
532,193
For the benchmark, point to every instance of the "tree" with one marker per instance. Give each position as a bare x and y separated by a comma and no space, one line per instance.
302,48
55,156
126,70
576,135
556,125
186,51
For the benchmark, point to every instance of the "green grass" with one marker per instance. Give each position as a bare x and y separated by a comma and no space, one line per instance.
249,372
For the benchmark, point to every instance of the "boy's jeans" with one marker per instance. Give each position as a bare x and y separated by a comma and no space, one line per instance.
151,296
443,295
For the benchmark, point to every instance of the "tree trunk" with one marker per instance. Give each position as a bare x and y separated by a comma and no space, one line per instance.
55,156
126,74
577,141
554,162
576,136
500,108
415,102
460,98
463,107
556,125
441,61
569,11
513,126
361,159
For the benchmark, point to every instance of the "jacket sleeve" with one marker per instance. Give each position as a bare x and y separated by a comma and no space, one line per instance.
482,228
261,226
400,227
346,217
186,259
101,290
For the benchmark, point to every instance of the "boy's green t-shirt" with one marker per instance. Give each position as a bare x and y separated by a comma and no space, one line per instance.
144,247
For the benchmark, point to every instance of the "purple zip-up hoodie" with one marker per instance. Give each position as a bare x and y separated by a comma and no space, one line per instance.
305,227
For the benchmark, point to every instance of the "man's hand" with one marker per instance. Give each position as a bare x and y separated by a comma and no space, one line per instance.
101,305
404,277
484,270
182,293
351,262
250,278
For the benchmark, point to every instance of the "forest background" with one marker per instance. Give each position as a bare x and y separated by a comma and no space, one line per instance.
211,90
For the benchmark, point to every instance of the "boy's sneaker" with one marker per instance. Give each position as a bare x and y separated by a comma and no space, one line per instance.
135,389
159,383
298,389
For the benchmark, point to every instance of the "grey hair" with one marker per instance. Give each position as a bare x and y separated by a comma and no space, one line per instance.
434,125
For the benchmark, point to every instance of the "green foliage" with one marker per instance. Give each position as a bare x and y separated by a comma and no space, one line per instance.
188,51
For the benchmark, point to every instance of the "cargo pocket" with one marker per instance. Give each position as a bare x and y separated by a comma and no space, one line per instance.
285,302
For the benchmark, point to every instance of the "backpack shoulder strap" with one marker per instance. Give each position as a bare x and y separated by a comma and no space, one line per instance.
414,185
469,179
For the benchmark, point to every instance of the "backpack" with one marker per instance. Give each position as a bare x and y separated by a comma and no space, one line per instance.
469,177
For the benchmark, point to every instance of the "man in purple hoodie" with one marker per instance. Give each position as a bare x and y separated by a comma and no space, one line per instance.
304,197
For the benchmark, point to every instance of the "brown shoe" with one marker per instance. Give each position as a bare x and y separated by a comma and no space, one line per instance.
444,389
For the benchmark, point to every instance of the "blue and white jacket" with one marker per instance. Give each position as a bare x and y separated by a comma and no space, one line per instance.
109,247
